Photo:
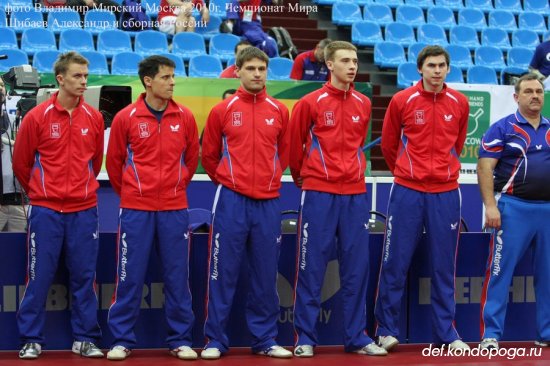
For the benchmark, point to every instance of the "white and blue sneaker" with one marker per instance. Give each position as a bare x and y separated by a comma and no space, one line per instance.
372,350
304,350
276,351
86,349
30,351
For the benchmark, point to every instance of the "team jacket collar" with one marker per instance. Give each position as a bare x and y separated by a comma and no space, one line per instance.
521,119
249,97
328,87
142,110
420,87
59,108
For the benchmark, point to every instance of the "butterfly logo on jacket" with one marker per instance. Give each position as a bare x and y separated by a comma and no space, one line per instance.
269,122
355,119
448,117
175,128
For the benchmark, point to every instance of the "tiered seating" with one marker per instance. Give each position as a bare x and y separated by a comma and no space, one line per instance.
401,33
205,66
187,45
279,68
366,33
77,39
37,39
15,58
441,16
43,60
410,14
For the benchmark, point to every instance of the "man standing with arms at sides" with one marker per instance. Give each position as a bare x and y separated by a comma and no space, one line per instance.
245,151
152,156
58,154
311,65
328,130
422,137
514,175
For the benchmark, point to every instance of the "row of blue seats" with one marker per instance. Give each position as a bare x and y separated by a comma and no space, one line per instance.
515,6
366,33
347,13
111,42
126,63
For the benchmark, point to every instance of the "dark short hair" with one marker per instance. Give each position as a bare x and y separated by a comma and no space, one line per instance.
228,91
241,43
431,51
526,77
150,66
64,60
250,53
332,47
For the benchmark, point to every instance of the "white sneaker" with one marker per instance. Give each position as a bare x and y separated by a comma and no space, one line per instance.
118,353
276,351
30,351
86,349
210,353
458,344
542,343
304,350
184,353
489,343
387,342
372,350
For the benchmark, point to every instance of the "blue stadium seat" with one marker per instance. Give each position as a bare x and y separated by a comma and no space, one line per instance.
520,57
366,33
218,8
223,46
180,67
410,14
3,4
345,13
538,6
22,19
38,39
502,19
151,7
21,3
76,40
389,54
3,19
187,45
533,21
455,75
279,68
451,4
43,61
390,3
481,75
15,58
125,63
59,20
401,33
485,5
8,39
432,34
413,51
424,4
460,56
111,42
475,18
441,16
513,6
508,71
97,21
205,66
464,36
97,63
489,56
525,38
150,42
378,13
407,74
211,29
495,37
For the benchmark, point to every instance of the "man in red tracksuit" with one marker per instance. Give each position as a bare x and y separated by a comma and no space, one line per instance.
422,137
152,156
328,130
244,152
58,154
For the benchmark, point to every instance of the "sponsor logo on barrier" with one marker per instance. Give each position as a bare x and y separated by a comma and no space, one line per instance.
214,275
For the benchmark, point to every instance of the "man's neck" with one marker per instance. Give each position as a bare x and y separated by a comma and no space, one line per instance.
68,102
156,103
339,85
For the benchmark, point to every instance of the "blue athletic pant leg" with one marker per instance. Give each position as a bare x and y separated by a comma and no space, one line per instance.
316,239
173,249
442,231
82,246
136,234
262,307
541,265
507,246
228,237
404,226
44,244
353,257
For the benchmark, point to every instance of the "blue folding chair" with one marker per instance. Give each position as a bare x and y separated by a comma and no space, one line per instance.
345,13
413,51
205,66
481,75
538,6
465,36
15,58
454,75
111,42
474,18
441,16
489,56
401,33
455,5
211,29
502,19
378,13
533,21
389,54
366,33
484,5
59,20
407,75
97,21
23,19
187,45
460,56
513,6
520,57
495,37
125,63
525,38
432,34
150,42
223,45
410,14
43,61
76,40
279,68
8,39
97,63
38,39
180,67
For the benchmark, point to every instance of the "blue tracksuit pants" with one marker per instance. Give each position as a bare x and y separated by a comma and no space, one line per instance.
49,233
409,212
138,231
324,217
507,247
243,228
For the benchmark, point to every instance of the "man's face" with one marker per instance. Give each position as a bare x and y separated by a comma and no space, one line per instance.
530,98
253,74
73,81
343,66
434,71
161,86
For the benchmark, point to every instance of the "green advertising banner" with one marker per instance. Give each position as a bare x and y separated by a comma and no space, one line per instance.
480,107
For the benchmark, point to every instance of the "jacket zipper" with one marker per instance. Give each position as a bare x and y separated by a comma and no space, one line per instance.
253,146
68,160
160,165
434,121
342,126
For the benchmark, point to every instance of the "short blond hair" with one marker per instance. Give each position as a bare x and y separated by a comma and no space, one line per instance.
64,60
334,46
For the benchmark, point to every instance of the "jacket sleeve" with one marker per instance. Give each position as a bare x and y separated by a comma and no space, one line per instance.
299,125
297,69
391,131
116,151
463,126
192,152
284,137
26,144
97,160
212,143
